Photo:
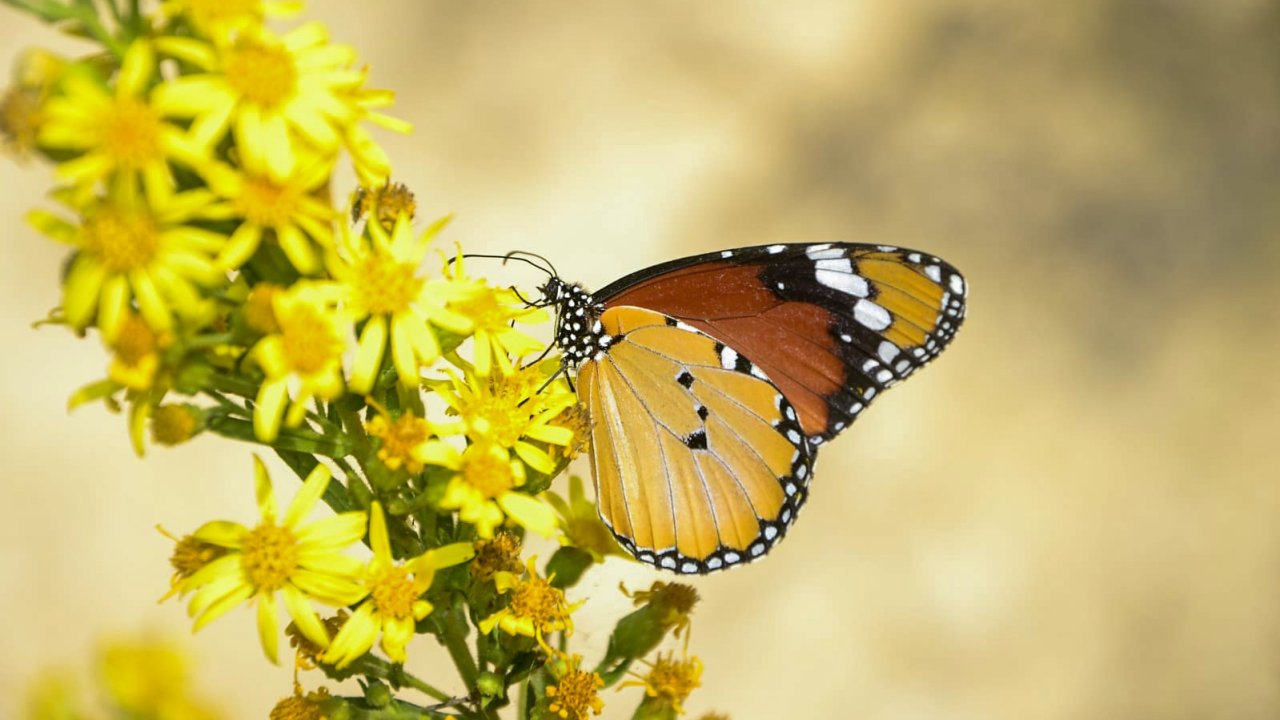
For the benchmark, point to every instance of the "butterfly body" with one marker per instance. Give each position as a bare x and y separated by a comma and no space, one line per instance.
710,382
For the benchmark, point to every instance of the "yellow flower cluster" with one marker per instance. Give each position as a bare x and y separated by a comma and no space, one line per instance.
195,158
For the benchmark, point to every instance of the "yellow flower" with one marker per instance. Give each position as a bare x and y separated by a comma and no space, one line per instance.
484,488
149,679
291,208
275,94
408,441
672,603
494,313
303,360
22,109
116,131
130,251
510,410
580,524
298,706
222,18
136,353
383,204
174,424
576,692
669,681
383,284
501,553
536,608
300,562
394,601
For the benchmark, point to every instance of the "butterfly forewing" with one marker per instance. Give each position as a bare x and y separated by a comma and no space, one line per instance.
831,325
699,459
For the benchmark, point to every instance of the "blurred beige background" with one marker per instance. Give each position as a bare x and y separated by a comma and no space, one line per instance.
1072,515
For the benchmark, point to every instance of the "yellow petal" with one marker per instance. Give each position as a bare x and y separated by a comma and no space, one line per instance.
269,411
530,512
368,359
314,487
268,631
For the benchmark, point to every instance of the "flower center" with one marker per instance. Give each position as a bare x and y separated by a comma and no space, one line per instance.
499,418
123,242
310,345
484,310
270,556
399,438
675,679
393,593
489,473
134,342
537,600
386,287
190,554
131,134
576,694
263,75
267,204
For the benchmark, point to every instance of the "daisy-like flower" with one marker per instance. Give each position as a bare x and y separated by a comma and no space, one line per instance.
383,204
384,284
407,441
135,353
273,93
116,131
501,553
223,18
394,602
134,251
667,684
580,524
22,109
576,692
289,208
512,410
190,555
536,607
494,313
303,360
300,562
302,706
484,489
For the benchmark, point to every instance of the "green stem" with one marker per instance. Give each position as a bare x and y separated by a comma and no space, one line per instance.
373,666
453,630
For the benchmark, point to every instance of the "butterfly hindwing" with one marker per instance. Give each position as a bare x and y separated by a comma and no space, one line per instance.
831,324
699,459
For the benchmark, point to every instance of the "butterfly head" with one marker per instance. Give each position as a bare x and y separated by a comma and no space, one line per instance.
579,334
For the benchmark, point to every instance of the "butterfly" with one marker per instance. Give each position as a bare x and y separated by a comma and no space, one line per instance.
712,380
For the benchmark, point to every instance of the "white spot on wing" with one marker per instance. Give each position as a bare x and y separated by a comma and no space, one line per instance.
726,253
775,249
957,284
824,252
871,315
845,282
934,272
728,358
888,351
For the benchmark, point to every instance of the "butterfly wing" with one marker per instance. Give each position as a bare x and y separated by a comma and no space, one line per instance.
831,324
699,460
